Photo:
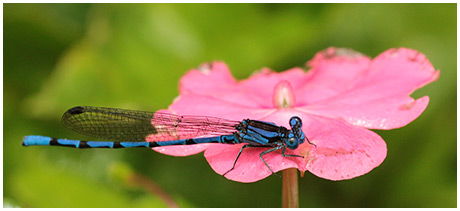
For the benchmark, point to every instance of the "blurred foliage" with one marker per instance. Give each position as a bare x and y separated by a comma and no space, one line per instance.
132,56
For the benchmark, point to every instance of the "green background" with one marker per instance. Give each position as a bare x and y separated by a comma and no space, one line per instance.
57,56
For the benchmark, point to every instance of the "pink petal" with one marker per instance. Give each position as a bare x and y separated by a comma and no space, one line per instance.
261,85
214,80
182,150
343,151
384,113
333,71
400,71
210,106
380,99
217,76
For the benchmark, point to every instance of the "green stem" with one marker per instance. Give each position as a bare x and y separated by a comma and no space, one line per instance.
290,192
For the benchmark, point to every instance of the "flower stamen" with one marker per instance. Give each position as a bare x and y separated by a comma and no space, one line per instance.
283,95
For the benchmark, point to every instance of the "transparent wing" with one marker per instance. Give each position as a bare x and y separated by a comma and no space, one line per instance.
131,125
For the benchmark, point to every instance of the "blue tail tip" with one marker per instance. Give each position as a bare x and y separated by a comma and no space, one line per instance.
28,140
23,140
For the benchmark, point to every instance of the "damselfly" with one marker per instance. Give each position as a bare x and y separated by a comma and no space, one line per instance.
131,128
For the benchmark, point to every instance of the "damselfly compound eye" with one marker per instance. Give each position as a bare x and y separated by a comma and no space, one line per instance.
295,121
292,143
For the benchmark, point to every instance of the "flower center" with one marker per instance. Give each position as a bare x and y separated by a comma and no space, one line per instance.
283,95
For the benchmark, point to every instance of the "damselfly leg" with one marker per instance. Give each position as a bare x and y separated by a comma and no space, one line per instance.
262,154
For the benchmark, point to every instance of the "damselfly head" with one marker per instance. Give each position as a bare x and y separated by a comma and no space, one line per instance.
296,135
295,122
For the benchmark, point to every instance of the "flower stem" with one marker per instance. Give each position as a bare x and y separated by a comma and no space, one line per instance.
290,192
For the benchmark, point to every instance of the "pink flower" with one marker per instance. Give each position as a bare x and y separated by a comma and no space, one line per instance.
342,94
